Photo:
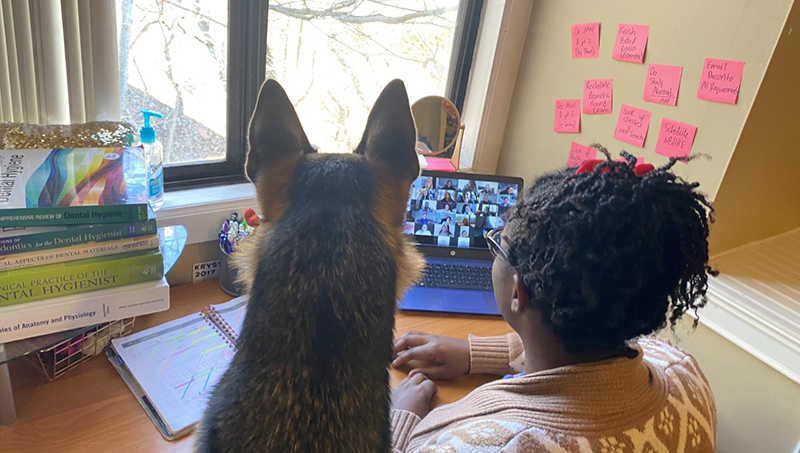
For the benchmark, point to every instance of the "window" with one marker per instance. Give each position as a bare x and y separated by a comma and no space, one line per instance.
200,63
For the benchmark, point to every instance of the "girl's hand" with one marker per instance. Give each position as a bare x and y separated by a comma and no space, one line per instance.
414,394
437,357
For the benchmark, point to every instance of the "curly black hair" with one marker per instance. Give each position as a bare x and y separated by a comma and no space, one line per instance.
607,255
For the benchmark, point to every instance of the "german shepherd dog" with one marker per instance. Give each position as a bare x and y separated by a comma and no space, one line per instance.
324,272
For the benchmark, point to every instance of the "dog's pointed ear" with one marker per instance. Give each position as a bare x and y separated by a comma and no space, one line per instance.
275,132
390,135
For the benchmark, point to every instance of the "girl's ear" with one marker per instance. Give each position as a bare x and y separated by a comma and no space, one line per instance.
275,132
519,300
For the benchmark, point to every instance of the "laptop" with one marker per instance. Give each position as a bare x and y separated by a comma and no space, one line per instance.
447,215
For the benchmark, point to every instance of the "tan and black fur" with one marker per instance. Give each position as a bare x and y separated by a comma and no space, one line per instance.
311,372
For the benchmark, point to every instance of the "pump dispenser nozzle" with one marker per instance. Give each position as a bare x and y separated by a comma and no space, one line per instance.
147,134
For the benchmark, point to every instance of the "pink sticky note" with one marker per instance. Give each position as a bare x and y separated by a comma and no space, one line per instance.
632,125
579,153
631,43
586,40
662,84
675,138
568,115
720,80
597,96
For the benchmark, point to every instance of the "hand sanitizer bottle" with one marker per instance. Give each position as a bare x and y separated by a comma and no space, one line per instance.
154,160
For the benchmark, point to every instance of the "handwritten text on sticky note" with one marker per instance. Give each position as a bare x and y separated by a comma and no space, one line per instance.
579,153
597,96
632,125
568,115
631,43
662,84
721,80
586,40
675,138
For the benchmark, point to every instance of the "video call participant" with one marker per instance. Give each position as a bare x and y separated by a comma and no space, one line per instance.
427,191
508,191
447,201
445,231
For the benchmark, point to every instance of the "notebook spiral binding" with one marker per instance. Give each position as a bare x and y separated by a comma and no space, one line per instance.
218,323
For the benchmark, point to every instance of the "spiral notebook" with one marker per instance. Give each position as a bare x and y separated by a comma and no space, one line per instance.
172,368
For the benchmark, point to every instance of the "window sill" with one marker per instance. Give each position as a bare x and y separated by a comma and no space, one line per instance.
202,210
755,301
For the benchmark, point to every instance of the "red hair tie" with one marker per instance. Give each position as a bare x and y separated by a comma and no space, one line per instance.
589,166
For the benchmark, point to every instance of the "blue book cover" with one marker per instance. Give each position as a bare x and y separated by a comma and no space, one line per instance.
72,186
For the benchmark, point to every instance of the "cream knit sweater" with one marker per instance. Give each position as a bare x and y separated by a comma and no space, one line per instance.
657,402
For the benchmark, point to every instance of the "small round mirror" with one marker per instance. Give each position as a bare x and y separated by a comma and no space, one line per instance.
438,124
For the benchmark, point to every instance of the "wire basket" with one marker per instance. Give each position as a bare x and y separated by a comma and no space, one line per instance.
57,360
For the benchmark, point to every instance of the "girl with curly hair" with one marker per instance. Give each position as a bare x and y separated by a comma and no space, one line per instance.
591,263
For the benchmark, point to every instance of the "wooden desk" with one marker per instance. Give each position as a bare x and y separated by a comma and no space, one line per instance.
91,409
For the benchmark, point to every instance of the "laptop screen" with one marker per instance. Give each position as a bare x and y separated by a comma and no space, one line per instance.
446,210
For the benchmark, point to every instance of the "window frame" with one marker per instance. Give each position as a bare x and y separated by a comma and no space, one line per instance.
466,36
247,53
246,70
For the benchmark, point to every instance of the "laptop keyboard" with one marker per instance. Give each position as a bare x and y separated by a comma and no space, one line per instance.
457,277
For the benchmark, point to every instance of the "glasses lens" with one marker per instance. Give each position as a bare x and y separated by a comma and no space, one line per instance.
492,239
495,238
492,249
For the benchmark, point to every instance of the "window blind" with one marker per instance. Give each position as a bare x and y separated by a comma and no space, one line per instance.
59,61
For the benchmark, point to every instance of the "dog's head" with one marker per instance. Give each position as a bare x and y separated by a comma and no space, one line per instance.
278,146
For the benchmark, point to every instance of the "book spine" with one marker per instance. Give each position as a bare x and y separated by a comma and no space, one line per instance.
25,243
74,215
77,252
64,313
43,282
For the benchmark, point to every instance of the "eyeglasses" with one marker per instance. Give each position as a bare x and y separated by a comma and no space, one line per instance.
493,238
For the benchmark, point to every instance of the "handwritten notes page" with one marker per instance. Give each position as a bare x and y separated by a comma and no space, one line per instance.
597,96
675,138
568,115
721,80
662,84
579,153
586,40
631,43
632,125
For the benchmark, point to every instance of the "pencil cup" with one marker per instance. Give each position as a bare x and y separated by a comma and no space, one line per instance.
227,276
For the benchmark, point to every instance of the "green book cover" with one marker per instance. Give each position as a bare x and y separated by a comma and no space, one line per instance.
14,240
72,186
73,277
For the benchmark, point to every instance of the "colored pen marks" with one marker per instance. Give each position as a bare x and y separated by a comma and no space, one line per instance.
190,359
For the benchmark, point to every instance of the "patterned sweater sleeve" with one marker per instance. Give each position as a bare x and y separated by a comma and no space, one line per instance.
403,424
496,355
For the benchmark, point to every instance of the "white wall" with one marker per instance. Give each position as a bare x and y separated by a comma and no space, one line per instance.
758,409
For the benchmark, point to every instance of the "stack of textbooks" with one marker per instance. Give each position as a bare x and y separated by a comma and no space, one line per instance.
78,241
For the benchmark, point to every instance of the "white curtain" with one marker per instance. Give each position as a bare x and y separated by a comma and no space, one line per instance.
59,61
